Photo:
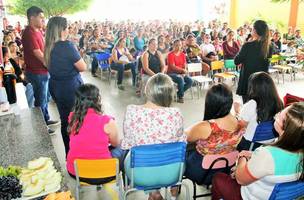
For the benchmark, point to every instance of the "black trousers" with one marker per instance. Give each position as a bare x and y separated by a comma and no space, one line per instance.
63,93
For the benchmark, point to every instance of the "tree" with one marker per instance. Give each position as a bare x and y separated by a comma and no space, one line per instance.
50,7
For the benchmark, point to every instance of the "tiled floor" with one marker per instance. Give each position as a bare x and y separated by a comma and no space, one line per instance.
115,102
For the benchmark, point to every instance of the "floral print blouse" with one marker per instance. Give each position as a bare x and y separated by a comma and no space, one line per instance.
152,126
220,141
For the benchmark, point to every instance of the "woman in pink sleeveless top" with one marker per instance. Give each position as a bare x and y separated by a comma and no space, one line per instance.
91,131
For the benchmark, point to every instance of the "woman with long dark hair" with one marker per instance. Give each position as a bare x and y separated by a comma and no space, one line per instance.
257,173
64,64
90,130
212,134
253,56
263,103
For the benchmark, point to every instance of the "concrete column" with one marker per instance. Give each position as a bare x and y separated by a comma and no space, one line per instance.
293,14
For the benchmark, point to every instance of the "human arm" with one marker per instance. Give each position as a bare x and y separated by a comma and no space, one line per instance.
201,130
80,65
241,56
75,57
39,55
254,167
163,67
112,131
246,113
115,58
127,53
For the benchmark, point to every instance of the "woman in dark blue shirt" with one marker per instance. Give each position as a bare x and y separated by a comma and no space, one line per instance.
64,64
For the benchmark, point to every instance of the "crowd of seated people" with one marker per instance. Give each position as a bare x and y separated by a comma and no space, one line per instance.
201,42
219,133
166,48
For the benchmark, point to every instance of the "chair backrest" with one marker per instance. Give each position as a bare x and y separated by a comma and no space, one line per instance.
291,190
218,161
103,59
95,169
194,67
156,166
290,99
229,64
216,65
264,131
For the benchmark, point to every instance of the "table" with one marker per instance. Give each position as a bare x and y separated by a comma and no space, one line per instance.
26,140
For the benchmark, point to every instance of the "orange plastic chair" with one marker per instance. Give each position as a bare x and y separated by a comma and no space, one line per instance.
217,65
97,169
220,65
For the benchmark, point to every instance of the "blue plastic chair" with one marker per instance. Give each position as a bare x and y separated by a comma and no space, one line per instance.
103,62
264,131
290,190
151,167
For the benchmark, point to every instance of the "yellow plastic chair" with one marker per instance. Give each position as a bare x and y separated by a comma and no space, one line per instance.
220,65
98,169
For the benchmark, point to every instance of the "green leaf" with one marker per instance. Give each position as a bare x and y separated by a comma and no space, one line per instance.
50,7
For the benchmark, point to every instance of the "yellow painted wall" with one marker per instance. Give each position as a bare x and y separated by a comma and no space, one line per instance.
278,13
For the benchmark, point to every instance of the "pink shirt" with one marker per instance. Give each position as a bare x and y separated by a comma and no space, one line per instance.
91,142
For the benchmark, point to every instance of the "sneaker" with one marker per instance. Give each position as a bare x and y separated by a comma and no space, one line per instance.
52,123
51,131
180,100
94,75
121,87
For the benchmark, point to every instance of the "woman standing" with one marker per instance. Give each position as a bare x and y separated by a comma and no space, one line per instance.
64,64
253,56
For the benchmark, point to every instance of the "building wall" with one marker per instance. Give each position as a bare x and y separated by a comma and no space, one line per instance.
277,13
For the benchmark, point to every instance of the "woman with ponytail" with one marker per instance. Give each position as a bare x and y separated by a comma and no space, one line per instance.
64,64
253,56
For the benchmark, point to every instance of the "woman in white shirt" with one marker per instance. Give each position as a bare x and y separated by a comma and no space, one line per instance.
264,102
258,172
208,50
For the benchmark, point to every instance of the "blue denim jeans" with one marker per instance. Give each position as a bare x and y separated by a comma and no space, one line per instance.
40,83
183,83
29,93
120,68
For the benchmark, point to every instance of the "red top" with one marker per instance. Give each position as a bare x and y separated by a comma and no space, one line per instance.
32,40
230,52
176,63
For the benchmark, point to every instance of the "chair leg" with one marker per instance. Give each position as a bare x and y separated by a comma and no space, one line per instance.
194,190
198,90
77,193
191,92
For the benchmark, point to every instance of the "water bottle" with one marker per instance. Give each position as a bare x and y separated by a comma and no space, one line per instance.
9,82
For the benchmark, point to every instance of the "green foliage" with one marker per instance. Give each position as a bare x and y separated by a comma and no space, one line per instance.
10,171
272,23
50,7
